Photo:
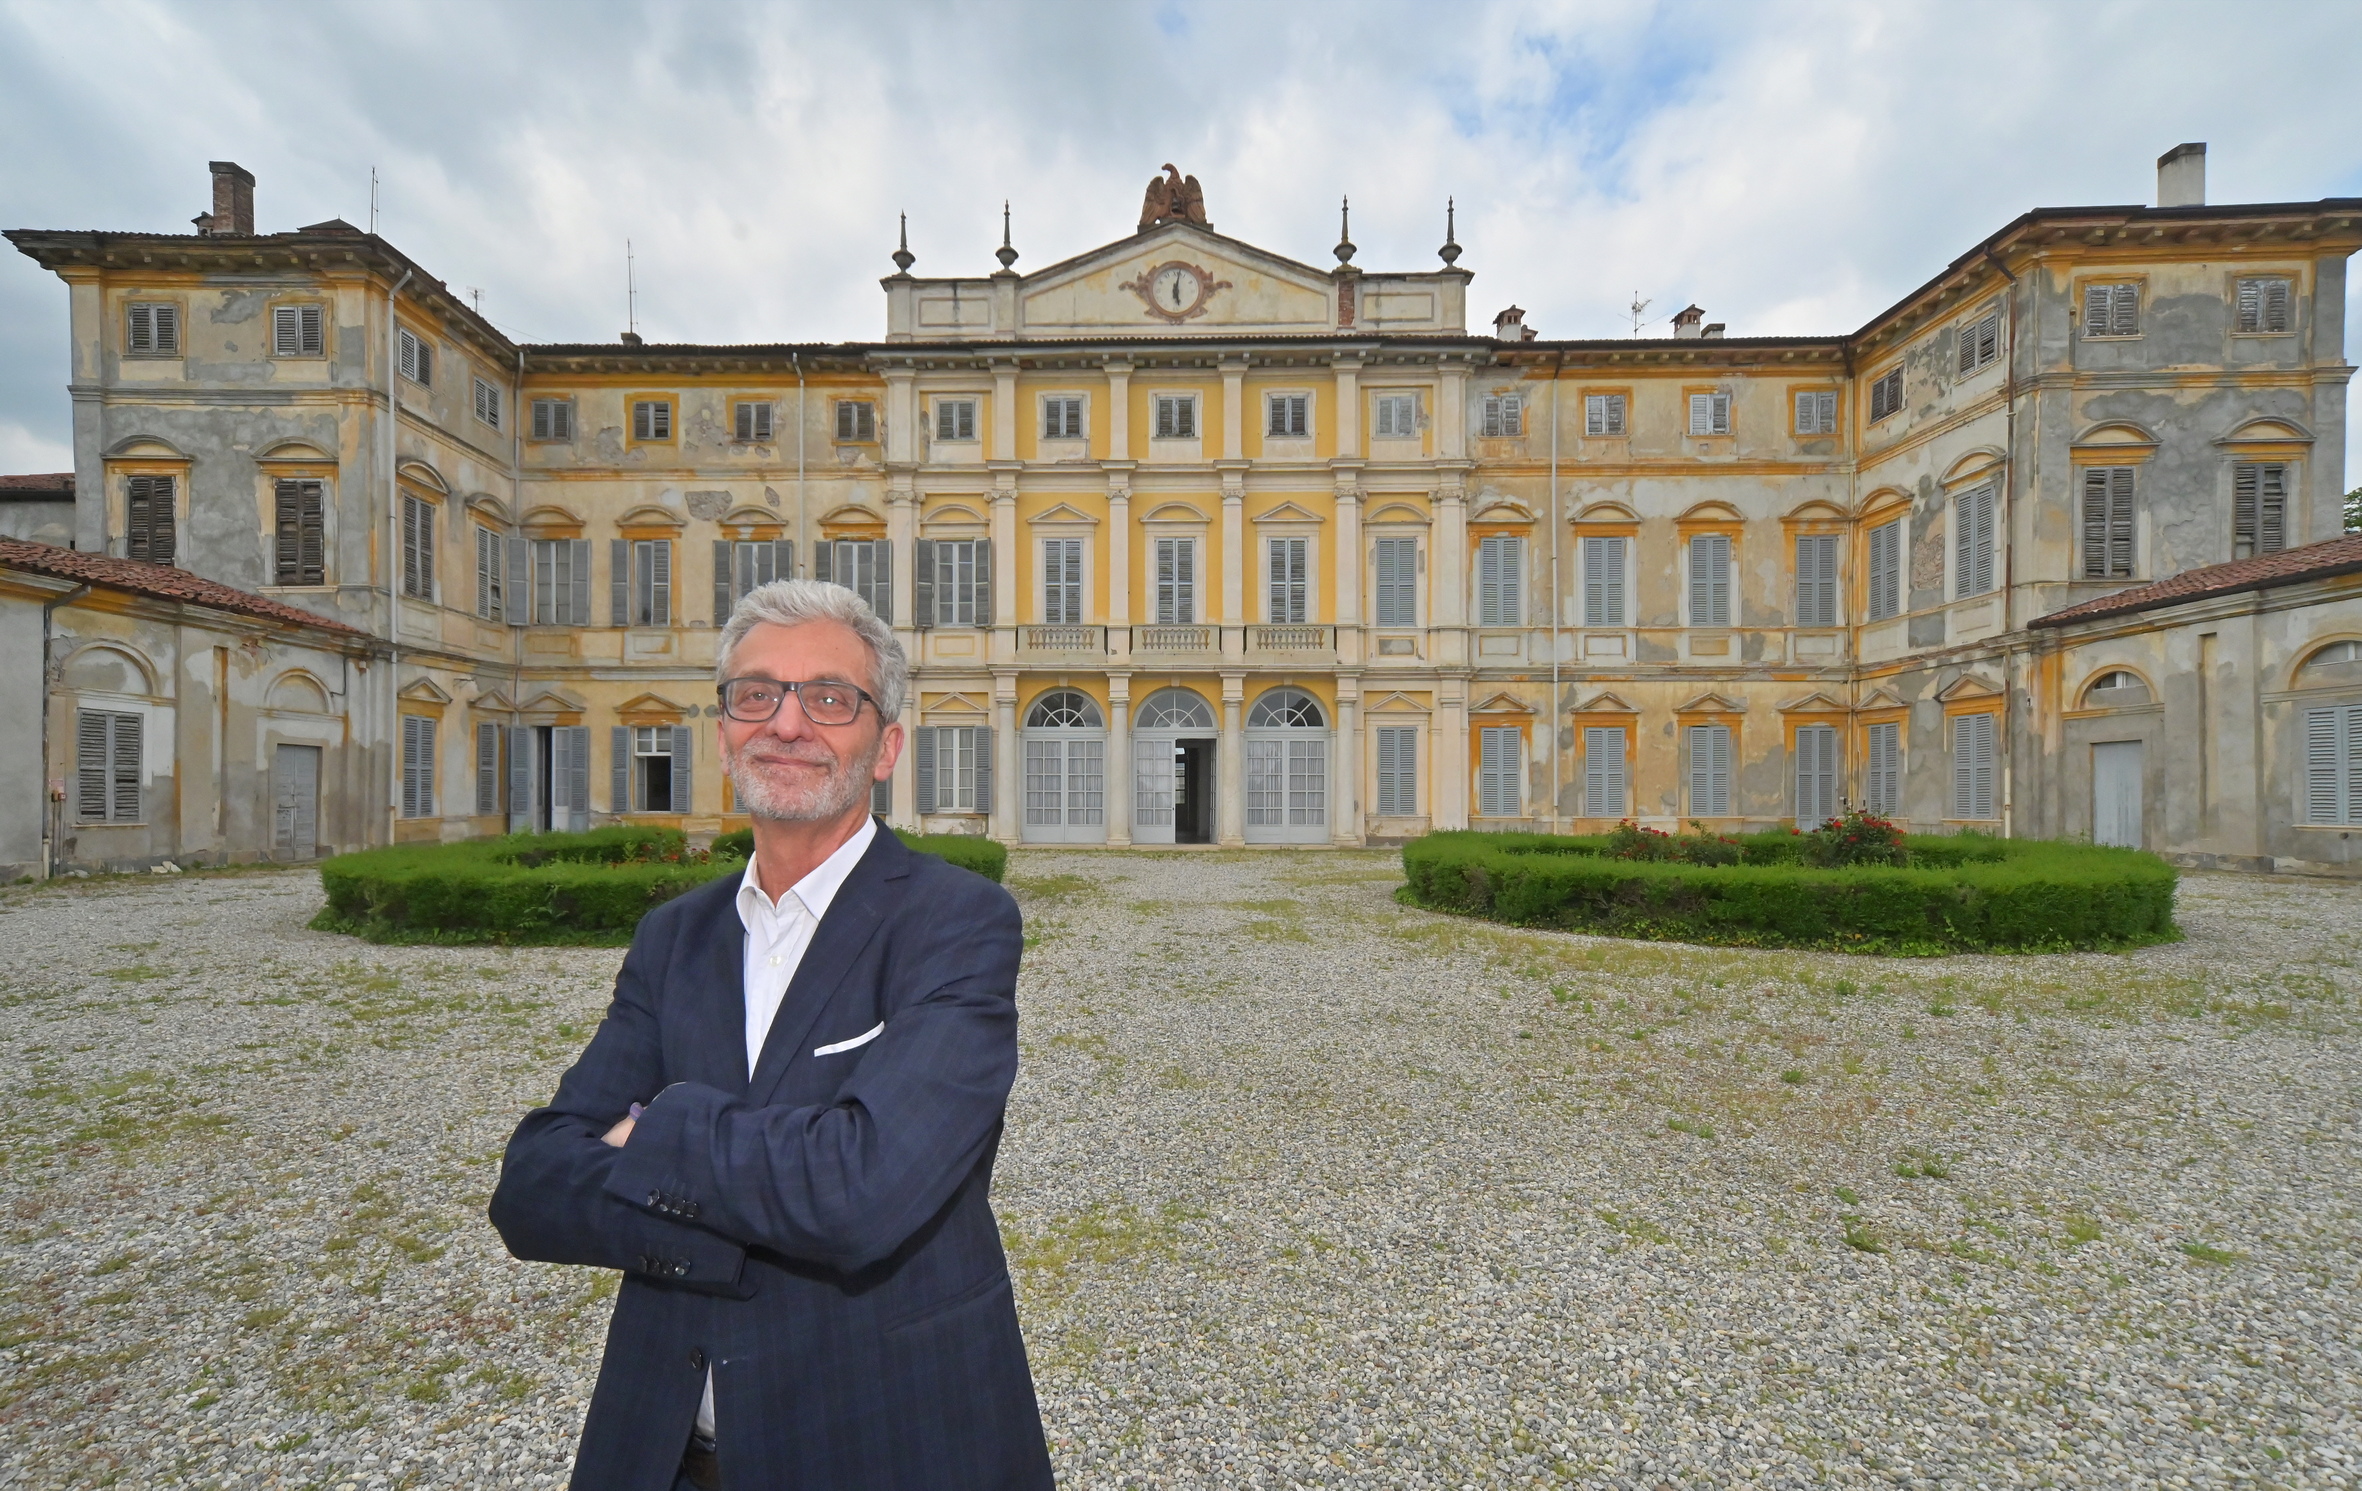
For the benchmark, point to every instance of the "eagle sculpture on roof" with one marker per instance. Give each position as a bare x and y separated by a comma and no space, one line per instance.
1173,198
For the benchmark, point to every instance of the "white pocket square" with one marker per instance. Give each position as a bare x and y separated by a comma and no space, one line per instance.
862,1039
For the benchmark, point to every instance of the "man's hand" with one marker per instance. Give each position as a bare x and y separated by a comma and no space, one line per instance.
622,1131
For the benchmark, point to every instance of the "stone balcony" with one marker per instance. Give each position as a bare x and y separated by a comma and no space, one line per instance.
1076,642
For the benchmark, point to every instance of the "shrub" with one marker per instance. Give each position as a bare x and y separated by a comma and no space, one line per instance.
1957,894
974,852
1857,838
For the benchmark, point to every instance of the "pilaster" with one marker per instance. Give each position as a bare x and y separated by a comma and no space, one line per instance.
1234,433
1230,765
1234,560
1008,760
1119,409
1001,645
1118,795
1448,751
1345,768
1348,371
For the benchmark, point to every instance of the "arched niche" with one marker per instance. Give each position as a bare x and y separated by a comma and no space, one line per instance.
298,692
106,668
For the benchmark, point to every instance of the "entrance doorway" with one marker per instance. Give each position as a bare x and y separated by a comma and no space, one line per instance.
1193,792
295,802
2116,793
1173,769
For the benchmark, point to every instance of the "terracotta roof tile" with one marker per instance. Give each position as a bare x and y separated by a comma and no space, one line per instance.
56,481
162,580
2336,556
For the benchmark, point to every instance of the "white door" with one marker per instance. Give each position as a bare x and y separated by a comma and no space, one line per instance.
295,802
2116,793
1152,789
1065,787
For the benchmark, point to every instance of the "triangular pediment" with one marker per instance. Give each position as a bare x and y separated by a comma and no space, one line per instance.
1289,512
1967,686
1815,702
1063,513
1175,279
550,701
492,699
1396,702
655,704
1503,703
1606,701
1881,698
954,704
1711,702
423,691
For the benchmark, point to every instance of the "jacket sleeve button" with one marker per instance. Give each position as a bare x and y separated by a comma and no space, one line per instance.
696,1361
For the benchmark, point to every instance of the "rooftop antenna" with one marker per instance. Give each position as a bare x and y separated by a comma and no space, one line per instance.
1638,311
476,294
373,200
631,290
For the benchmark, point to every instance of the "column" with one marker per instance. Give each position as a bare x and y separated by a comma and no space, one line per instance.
1234,558
1447,577
1230,764
1000,643
902,531
1345,823
1119,758
1448,772
905,810
1008,764
1346,569
1118,558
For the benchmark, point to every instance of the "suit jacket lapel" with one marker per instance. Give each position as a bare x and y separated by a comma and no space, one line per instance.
712,975
853,919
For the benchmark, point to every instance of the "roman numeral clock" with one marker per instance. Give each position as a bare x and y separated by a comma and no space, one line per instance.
1175,290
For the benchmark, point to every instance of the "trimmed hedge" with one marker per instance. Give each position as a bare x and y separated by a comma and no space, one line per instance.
548,889
1960,894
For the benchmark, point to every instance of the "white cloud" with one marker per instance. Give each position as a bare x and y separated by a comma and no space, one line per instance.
28,451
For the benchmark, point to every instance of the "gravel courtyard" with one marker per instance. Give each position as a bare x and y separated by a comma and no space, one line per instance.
1302,1188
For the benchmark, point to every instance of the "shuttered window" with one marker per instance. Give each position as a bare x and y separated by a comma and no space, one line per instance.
955,582
1176,416
1709,413
1176,581
1062,581
418,766
107,767
417,357
487,397
1603,414
491,577
955,419
1882,781
487,768
650,769
1972,546
857,420
864,566
1886,569
1500,580
1503,416
2107,522
2264,305
1973,765
1398,771
954,769
652,419
744,565
1709,770
641,581
1816,579
1398,582
1604,752
2111,310
561,582
418,547
1886,395
553,419
2259,508
2333,764
1603,581
297,330
1062,418
148,511
753,420
1500,772
1709,579
152,330
1817,775
1290,415
1288,573
299,541
1816,411
1397,416
1980,342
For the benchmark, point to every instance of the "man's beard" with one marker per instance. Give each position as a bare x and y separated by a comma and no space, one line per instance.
832,796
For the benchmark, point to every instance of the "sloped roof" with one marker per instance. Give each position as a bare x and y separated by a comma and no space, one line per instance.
160,580
2337,556
55,484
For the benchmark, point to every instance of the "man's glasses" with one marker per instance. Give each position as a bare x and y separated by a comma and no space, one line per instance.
754,700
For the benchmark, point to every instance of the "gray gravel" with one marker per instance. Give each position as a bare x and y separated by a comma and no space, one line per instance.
1304,1188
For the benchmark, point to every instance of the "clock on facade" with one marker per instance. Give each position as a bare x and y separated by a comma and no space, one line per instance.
1175,290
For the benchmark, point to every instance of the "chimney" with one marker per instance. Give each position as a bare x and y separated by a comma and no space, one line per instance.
1686,322
631,339
1712,331
1509,326
2181,176
233,201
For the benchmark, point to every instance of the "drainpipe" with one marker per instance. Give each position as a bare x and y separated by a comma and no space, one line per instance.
1557,371
393,560
52,813
803,538
2009,548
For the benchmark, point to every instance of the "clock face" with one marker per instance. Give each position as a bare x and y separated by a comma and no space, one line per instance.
1175,290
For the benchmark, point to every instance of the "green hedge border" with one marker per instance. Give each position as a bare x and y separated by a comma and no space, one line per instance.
1960,894
549,890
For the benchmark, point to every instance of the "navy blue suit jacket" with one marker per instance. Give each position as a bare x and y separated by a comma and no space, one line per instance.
819,1236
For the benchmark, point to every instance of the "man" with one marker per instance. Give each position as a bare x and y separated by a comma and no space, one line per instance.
783,1131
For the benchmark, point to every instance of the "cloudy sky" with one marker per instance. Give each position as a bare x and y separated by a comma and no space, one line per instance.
1791,167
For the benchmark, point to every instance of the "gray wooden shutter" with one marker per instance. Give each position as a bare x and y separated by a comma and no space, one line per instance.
1603,771
520,778
881,596
984,769
881,797
581,585
619,577
660,582
684,761
922,579
1886,563
578,774
984,582
823,553
1885,767
1709,771
620,781
724,602
517,584
923,747
487,767
92,764
783,559
129,779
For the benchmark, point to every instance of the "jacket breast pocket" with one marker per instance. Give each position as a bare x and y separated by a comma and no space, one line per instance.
838,1048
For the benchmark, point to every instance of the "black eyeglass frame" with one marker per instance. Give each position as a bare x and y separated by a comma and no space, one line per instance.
860,694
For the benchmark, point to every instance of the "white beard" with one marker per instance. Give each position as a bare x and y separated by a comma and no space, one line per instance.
834,795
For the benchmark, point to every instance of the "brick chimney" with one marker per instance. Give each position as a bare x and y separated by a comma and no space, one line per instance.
1686,323
233,201
2181,176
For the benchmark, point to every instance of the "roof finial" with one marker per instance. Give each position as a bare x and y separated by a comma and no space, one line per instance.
1345,230
903,257
1006,254
1450,252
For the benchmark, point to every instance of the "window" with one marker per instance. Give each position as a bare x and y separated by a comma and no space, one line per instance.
1176,581
744,565
857,420
1816,775
1397,416
1062,418
2107,522
1289,415
152,330
417,357
652,419
2333,764
955,419
487,768
651,769
1886,395
1397,597
1289,566
1816,579
1504,415
489,574
1603,414
418,766
1972,765
1500,772
1500,580
296,331
1398,771
1886,570
2263,305
955,582
864,566
1709,413
2259,508
2111,310
107,766
1816,411
1882,787
418,547
1603,581
561,582
641,581
1603,771
1709,579
299,547
148,519
1709,771
553,419
1972,544
954,769
1062,581
1980,342
488,403
1176,416
753,420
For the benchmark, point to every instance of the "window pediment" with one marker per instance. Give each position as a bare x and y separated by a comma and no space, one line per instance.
851,515
145,448
1176,512
1398,702
419,473
1606,701
1289,512
295,450
1063,515
1967,686
1975,466
1503,703
1397,512
2117,434
423,691
1711,703
649,515
1815,702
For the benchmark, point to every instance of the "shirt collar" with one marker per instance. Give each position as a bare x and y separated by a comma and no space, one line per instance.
817,890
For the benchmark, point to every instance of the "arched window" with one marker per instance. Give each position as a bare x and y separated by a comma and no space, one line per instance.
1286,708
1287,769
1174,709
1065,770
1063,709
2339,662
2114,689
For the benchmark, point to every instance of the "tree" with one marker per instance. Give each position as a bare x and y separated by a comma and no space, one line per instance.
2354,511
